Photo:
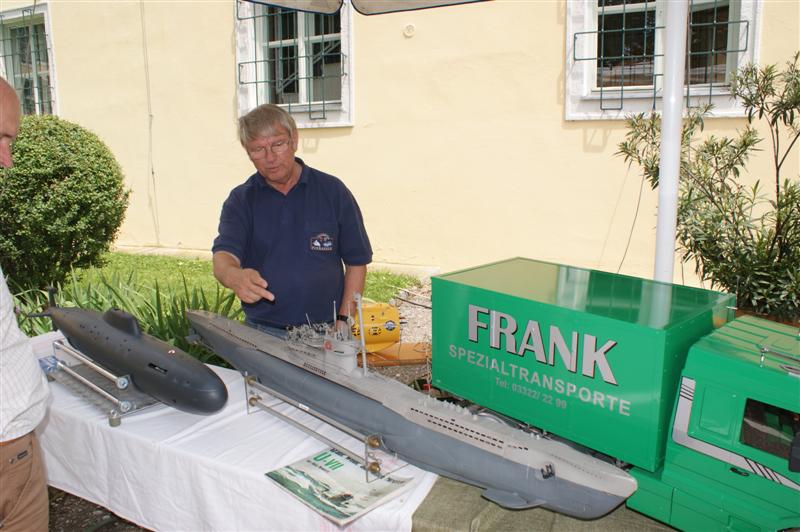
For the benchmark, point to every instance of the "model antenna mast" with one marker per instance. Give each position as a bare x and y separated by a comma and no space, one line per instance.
357,297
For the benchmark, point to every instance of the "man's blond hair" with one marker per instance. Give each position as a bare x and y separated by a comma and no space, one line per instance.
264,121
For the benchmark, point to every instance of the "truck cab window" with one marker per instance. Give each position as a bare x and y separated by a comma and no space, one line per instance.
769,428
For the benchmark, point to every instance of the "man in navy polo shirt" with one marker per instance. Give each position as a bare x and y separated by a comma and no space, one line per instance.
292,243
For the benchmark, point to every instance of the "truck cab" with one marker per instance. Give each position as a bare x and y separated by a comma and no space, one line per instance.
734,431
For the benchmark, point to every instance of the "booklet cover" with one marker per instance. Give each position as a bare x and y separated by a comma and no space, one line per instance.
335,485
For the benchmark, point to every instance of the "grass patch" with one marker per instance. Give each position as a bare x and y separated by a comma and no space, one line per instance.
170,272
147,270
382,285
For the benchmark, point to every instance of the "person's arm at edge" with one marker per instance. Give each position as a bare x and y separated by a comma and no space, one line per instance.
354,279
247,283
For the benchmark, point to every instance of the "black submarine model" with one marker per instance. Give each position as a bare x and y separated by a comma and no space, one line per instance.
516,468
115,341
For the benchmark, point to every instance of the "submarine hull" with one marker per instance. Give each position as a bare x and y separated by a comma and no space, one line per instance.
157,368
518,486
508,483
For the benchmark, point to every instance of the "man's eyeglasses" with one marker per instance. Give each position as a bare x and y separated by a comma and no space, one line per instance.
276,148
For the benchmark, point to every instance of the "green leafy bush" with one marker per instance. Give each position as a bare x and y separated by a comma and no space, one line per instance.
158,290
742,239
161,311
62,203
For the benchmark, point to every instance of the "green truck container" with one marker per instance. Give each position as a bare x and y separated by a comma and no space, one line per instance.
600,359
590,355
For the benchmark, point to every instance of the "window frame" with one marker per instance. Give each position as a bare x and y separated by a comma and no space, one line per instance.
583,97
338,113
31,15
658,51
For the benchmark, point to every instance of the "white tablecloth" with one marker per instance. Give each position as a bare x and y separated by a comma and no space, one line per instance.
167,470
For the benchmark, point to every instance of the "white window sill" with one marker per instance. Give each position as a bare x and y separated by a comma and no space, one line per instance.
320,124
587,106
336,115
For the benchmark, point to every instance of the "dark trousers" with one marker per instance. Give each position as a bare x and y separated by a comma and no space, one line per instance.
279,332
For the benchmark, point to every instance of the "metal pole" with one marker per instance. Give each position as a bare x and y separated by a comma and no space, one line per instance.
253,383
89,384
674,65
311,432
357,297
122,381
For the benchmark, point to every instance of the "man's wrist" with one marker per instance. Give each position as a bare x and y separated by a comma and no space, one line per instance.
342,317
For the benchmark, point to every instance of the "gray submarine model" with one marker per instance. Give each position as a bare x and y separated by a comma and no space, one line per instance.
115,341
516,468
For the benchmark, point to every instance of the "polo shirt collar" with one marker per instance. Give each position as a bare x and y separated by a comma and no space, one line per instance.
305,171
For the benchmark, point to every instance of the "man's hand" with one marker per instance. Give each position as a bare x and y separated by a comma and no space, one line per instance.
345,328
247,283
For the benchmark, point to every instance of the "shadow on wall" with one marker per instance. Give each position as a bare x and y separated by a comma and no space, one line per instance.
595,138
311,139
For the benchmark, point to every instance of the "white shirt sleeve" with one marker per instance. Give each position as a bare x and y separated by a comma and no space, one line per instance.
23,386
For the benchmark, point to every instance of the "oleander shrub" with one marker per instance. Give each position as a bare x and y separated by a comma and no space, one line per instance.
61,204
742,238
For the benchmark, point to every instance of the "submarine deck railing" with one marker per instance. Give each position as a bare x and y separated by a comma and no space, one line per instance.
370,441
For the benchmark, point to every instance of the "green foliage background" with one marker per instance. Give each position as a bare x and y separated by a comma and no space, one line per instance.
744,239
158,290
61,204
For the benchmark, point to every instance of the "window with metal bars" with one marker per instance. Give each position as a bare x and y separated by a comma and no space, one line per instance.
25,60
297,60
615,64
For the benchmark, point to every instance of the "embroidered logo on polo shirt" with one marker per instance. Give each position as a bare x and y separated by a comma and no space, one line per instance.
321,242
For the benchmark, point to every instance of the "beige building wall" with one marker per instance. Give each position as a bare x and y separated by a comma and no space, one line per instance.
156,80
459,153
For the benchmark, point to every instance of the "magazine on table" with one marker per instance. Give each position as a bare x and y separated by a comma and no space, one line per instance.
335,485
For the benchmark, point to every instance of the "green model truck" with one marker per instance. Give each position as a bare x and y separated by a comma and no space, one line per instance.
702,408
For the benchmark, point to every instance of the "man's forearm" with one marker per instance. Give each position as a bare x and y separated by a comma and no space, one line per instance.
247,283
354,279
224,266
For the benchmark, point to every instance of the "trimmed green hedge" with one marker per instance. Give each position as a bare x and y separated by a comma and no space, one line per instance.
62,203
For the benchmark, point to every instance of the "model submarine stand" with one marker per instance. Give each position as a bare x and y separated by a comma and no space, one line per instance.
101,384
374,460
